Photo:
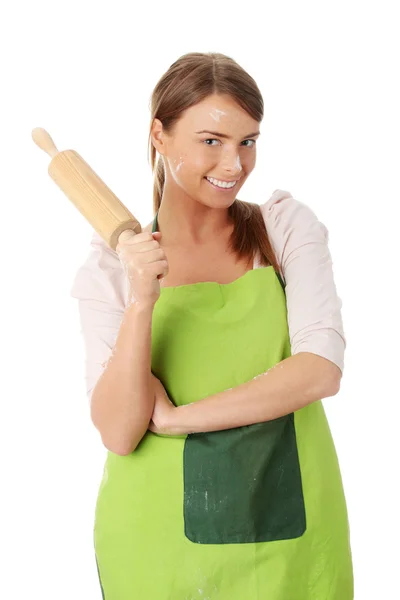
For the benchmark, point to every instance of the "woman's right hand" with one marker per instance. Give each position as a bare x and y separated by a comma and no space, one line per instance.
144,263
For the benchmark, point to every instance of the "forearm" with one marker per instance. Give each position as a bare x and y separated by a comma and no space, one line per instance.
123,399
290,385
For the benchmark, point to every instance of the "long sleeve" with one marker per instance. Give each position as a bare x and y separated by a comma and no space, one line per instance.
101,288
300,242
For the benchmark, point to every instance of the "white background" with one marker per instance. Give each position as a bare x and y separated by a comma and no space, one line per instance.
85,71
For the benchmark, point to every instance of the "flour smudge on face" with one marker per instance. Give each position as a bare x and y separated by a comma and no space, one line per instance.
216,114
179,165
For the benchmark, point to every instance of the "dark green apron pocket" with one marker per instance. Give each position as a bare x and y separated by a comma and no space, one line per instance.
243,485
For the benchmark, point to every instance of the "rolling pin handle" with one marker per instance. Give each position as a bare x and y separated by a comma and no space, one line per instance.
44,141
126,235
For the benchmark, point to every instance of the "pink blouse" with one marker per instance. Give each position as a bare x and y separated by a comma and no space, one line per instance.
300,242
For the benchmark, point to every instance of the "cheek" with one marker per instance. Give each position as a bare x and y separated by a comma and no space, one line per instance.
198,156
178,164
248,161
179,168
191,165
184,170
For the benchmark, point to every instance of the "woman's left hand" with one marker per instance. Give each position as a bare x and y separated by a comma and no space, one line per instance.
162,418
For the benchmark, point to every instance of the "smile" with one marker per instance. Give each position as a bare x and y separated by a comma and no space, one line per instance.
220,184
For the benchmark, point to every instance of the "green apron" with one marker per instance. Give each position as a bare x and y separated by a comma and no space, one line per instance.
252,513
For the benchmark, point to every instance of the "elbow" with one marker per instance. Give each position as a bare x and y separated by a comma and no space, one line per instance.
331,381
119,434
325,375
123,447
111,439
118,448
332,390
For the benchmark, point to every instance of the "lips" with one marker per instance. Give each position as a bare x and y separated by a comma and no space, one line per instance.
220,188
223,180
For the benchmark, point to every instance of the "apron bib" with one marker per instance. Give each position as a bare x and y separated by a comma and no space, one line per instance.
250,513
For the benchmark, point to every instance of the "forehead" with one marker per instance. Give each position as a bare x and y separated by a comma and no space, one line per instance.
217,110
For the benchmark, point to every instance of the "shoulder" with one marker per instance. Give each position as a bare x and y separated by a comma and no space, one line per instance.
282,204
290,224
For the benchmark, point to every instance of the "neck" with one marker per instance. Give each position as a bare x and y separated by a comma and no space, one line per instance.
192,226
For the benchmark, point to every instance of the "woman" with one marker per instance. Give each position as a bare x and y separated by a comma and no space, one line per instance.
221,479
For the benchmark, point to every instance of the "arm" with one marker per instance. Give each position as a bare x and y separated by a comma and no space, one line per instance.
117,340
123,399
314,371
288,386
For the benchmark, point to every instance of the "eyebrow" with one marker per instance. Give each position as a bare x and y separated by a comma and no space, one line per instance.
223,135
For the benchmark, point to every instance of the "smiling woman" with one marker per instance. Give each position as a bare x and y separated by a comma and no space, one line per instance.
249,287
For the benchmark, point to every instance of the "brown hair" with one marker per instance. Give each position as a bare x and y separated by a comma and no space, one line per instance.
189,80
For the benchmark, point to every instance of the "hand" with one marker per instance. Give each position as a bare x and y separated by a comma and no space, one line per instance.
144,263
163,413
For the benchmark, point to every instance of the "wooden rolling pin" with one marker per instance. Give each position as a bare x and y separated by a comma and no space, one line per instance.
94,200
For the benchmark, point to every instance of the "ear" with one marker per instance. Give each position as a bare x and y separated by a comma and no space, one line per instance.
157,136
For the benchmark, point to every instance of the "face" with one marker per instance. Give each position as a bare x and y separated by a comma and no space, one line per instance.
190,157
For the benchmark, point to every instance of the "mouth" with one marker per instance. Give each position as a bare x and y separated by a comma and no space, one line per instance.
232,185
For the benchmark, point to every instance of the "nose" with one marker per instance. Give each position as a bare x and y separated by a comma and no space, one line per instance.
231,162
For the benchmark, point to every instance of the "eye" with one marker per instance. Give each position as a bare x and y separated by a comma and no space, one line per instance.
216,140
254,143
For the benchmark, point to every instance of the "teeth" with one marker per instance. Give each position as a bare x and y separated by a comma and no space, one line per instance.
221,183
